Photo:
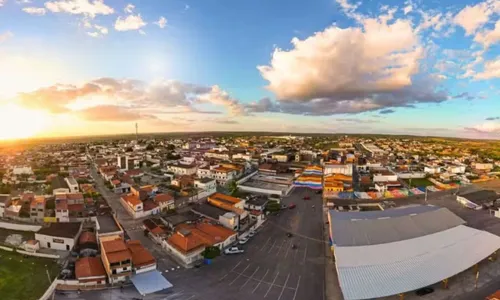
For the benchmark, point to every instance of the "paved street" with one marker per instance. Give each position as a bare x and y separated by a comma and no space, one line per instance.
269,268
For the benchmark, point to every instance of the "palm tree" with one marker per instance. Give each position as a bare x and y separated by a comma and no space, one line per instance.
233,187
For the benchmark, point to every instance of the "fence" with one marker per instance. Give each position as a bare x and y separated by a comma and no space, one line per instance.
50,290
20,227
39,254
246,178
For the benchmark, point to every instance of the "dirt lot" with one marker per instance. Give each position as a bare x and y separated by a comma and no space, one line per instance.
489,185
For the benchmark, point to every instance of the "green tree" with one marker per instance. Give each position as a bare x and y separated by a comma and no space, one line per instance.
233,187
170,147
211,252
150,147
273,206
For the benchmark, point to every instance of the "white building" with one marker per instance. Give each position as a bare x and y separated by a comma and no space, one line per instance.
384,175
222,155
207,186
4,203
181,169
72,184
338,169
59,236
432,169
22,170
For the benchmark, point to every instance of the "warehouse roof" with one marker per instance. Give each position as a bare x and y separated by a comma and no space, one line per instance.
404,266
481,197
369,231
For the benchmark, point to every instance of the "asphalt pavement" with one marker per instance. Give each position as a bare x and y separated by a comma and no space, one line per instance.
269,268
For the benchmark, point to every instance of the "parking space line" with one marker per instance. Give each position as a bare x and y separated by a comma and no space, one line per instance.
248,279
222,278
235,266
260,281
272,247
268,239
305,254
271,285
284,286
239,274
288,248
297,288
279,250
192,296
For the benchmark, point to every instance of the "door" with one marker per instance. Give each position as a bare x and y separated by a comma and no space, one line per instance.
67,247
48,245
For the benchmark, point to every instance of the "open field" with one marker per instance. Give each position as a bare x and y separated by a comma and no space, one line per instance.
24,278
489,185
416,182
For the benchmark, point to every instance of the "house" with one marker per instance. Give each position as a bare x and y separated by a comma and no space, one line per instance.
183,181
5,202
59,186
222,155
37,208
478,198
59,236
117,260
337,168
280,157
223,175
87,240
206,187
19,170
164,201
142,260
72,184
256,203
89,271
133,205
62,211
181,169
107,226
189,241
135,173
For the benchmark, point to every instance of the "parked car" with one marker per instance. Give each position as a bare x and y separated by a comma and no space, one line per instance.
307,198
288,234
291,206
233,250
424,291
284,206
243,241
319,191
251,233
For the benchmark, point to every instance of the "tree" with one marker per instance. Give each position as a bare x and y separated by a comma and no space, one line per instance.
170,147
273,206
211,252
129,149
5,188
233,187
150,147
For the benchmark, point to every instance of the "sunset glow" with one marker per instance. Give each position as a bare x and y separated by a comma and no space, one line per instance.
17,122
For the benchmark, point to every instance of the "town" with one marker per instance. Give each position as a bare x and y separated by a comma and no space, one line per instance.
250,216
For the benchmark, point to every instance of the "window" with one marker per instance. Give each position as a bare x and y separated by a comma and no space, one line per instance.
114,271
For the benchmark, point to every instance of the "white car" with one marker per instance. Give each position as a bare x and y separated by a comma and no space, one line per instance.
233,250
243,241
251,233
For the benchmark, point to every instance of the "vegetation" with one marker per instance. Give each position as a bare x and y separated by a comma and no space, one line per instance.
233,187
50,204
417,182
273,206
5,188
211,252
150,147
24,278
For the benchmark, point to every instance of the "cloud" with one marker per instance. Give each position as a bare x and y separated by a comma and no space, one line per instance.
162,22
465,96
2,2
408,7
487,127
131,22
356,120
224,121
491,70
492,118
263,105
156,96
472,18
112,113
129,8
488,37
5,36
386,111
100,31
352,70
88,8
37,11
23,1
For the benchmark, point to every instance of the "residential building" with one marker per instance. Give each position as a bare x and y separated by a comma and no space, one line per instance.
164,201
206,187
221,155
19,170
337,168
62,212
72,184
133,205
117,260
59,236
223,175
280,157
122,162
231,204
108,226
59,186
89,271
5,202
383,175
181,169
142,260
189,241
37,208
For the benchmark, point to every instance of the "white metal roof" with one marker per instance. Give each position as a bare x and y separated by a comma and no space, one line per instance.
387,269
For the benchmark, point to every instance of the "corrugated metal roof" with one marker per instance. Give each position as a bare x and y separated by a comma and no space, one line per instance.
360,232
387,269
394,212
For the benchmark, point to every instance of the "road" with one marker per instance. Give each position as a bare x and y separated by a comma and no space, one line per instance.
269,269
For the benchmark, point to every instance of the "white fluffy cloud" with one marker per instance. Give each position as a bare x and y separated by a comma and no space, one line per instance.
131,22
98,32
129,8
487,127
37,11
471,18
162,22
488,37
2,2
89,8
491,70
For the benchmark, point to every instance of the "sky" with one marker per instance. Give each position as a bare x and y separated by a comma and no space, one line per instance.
92,67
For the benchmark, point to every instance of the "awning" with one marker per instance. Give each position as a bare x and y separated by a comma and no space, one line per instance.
150,282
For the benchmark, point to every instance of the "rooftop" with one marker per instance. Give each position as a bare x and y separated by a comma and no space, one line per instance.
116,251
107,224
89,267
132,199
67,230
208,210
59,183
481,197
140,255
4,198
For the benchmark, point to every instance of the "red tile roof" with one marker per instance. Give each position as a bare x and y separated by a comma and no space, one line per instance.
149,205
75,196
140,255
76,207
87,237
132,199
116,251
89,267
61,204
160,198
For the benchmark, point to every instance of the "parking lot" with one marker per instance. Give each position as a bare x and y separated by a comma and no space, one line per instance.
269,268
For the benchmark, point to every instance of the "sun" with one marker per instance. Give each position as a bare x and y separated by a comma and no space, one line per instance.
18,123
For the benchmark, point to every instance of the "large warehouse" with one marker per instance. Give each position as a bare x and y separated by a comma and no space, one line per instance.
390,252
